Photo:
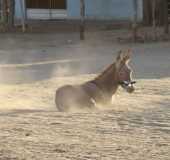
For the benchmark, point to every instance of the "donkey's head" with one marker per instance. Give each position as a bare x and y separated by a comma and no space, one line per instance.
124,72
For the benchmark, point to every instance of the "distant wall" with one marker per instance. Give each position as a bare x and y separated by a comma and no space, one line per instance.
17,9
98,9
18,12
105,9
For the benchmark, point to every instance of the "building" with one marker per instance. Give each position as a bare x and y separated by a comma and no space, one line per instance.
70,9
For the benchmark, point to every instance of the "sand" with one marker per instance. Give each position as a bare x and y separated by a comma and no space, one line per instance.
135,127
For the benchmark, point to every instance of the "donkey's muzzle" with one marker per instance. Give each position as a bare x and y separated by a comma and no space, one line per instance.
130,89
128,86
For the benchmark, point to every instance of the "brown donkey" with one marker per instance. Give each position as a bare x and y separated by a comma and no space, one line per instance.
99,90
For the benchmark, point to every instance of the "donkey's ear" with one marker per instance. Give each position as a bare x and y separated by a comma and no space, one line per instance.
128,54
123,57
119,59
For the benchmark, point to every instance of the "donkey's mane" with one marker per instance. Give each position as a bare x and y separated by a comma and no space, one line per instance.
108,69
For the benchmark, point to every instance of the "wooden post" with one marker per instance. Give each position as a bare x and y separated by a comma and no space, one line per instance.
154,18
22,6
4,15
146,12
4,11
166,23
1,7
11,6
82,19
134,26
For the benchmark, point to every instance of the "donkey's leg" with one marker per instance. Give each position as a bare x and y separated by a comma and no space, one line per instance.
91,105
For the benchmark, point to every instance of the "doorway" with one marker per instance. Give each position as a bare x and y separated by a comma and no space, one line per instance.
46,9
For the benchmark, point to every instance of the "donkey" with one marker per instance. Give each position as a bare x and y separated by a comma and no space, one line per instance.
99,90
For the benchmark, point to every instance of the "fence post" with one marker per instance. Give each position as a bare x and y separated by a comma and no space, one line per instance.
4,12
135,19
166,23
11,11
154,18
82,19
22,6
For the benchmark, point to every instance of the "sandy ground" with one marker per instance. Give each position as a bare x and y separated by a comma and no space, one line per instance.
136,126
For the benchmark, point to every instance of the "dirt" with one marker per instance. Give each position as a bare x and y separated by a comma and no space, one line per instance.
33,66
